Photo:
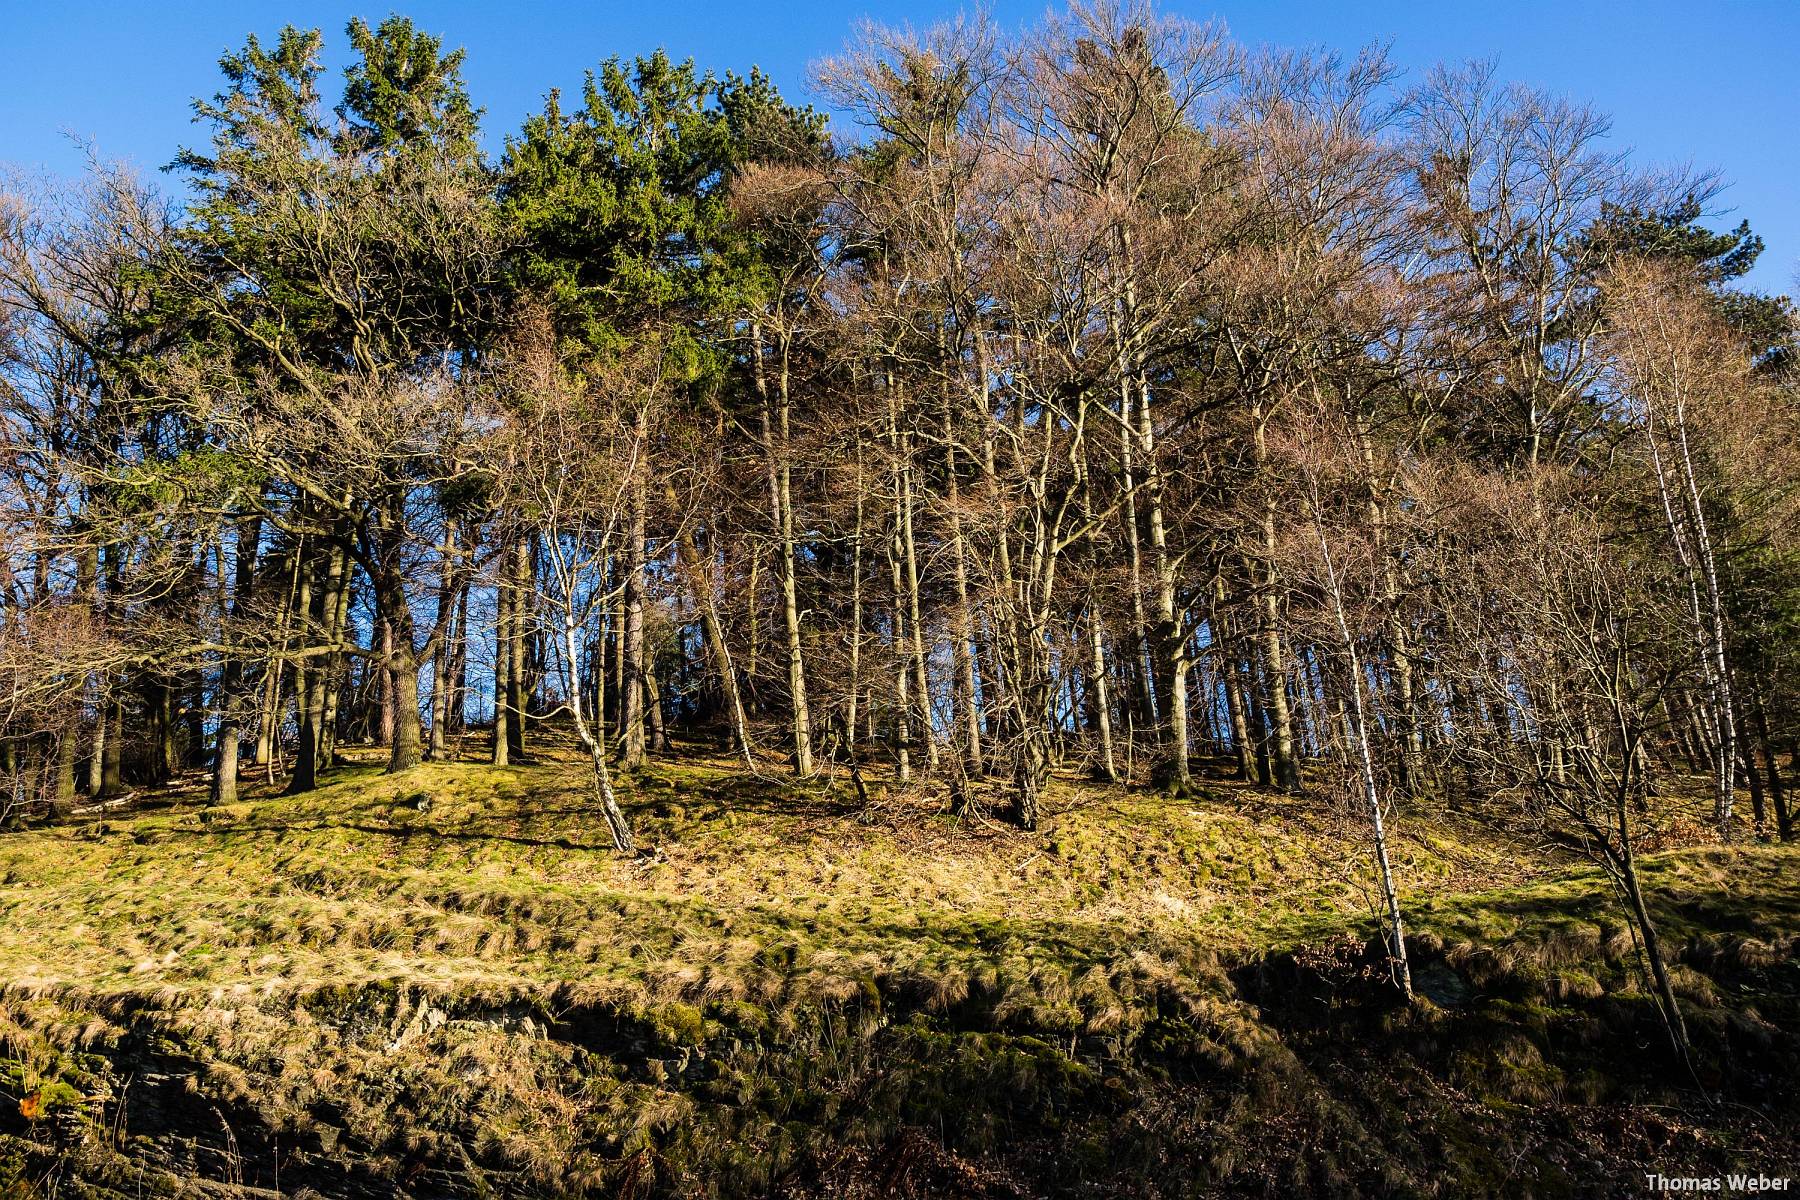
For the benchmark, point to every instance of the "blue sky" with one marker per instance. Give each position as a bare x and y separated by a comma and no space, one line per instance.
1715,85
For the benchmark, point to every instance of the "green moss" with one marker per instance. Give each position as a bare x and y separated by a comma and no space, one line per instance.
678,1024
58,1095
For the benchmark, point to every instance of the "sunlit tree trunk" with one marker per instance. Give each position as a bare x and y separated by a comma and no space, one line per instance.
631,702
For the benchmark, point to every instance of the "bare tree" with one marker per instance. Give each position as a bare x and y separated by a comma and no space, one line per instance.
571,458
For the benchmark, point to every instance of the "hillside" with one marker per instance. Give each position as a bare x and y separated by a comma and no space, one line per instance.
443,983
1096,607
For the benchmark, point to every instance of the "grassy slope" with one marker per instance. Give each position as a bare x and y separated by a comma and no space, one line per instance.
445,977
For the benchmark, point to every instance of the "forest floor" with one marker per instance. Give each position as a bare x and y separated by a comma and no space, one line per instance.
445,983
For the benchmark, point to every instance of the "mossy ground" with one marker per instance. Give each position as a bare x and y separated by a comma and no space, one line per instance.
444,982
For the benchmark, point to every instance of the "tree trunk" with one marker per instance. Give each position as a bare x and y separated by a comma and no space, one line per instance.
96,775
337,663
233,692
501,753
440,661
306,755
1280,715
1230,657
167,761
385,683
617,826
775,428
967,702
1673,1022
1784,825
1359,731
897,631
408,745
519,584
67,753
915,623
631,716
400,662
274,682
699,579
1693,546
112,769
653,711
459,655
1096,648
1169,642
856,616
